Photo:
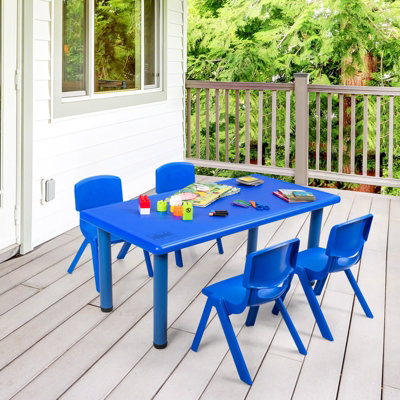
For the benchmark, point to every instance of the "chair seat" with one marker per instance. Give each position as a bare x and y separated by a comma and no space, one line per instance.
315,260
231,290
233,293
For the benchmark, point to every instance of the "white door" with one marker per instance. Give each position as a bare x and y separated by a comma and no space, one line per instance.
8,122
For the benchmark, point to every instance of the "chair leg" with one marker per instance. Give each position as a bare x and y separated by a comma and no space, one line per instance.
95,259
148,263
178,258
124,250
275,308
358,293
220,248
291,327
252,316
233,344
313,302
78,256
319,286
202,325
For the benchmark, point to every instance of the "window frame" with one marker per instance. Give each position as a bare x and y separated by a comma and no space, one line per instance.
66,104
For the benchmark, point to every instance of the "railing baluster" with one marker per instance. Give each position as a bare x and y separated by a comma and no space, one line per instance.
197,123
217,124
318,130
188,115
207,124
227,125
260,127
237,125
378,138
247,157
391,115
273,130
365,137
287,130
340,152
329,138
353,134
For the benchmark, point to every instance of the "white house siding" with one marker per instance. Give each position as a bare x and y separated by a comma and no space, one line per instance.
130,142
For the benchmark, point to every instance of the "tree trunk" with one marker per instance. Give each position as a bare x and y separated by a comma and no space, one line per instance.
361,77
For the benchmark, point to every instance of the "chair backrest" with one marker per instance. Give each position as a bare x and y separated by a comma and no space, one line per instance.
174,176
272,266
347,240
97,191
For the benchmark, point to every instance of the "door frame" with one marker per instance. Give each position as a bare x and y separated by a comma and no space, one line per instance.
25,118
9,116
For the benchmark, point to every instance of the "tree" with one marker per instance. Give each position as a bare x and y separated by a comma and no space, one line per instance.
335,41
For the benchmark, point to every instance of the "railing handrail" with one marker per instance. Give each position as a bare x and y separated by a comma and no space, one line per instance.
238,85
312,88
364,90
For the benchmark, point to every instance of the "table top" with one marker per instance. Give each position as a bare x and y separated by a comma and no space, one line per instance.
161,233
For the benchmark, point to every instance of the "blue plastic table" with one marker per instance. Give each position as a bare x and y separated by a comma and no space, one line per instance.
161,233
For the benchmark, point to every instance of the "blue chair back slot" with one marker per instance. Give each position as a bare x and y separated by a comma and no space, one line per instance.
174,176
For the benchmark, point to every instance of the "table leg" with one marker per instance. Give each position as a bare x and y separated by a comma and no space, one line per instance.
105,270
251,248
252,240
160,290
315,228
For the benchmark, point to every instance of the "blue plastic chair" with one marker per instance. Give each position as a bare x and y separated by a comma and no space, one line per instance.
344,249
94,192
176,176
267,277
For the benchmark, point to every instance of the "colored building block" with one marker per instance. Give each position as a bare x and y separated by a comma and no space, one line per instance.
178,211
174,201
187,211
144,205
162,206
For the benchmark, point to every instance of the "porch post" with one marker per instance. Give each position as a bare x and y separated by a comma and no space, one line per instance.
301,90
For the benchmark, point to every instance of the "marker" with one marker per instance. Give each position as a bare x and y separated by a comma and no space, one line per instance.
218,213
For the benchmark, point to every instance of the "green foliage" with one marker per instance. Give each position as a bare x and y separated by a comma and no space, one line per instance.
271,40
116,32
74,40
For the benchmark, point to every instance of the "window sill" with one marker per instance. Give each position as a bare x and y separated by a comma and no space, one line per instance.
73,106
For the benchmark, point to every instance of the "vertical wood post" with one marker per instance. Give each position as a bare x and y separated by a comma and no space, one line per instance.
301,90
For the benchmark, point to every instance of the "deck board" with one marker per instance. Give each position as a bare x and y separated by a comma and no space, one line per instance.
55,342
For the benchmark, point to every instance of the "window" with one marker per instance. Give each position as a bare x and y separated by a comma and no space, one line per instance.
110,46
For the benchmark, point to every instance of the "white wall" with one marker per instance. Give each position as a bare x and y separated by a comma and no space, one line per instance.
130,142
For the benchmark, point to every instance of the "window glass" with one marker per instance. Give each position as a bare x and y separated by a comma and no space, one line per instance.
151,43
117,45
110,45
74,46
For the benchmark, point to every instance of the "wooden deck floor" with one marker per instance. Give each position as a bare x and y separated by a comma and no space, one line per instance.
56,343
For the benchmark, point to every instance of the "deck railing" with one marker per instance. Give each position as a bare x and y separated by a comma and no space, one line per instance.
339,133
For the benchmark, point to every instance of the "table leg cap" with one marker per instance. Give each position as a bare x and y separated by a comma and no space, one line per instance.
160,346
106,309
